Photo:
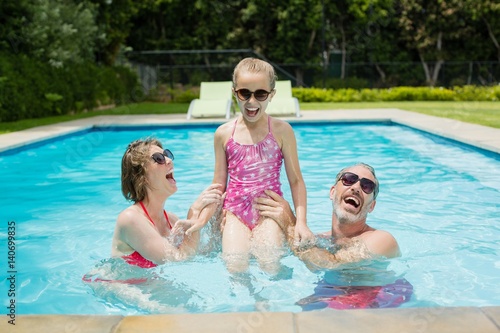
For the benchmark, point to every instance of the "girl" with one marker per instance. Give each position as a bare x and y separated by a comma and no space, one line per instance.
250,151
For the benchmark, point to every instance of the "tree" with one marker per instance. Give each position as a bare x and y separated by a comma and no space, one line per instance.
298,32
286,32
427,25
12,15
60,31
371,36
487,12
114,19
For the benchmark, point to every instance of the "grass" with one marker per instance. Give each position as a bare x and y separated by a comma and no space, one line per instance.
482,113
142,108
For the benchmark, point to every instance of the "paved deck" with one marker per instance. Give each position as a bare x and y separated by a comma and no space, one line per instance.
480,136
442,319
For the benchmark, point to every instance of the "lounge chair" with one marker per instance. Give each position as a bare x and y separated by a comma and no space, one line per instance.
283,102
216,100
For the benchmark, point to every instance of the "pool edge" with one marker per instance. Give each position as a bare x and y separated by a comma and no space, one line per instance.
482,137
442,319
439,319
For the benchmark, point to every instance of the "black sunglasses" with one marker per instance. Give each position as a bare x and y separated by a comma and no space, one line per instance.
349,179
160,157
245,94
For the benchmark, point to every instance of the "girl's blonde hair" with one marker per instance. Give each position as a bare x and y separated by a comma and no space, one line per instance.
254,65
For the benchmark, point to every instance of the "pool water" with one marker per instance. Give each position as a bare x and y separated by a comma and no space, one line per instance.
439,199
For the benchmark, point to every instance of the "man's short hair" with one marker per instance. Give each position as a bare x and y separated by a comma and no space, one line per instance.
369,167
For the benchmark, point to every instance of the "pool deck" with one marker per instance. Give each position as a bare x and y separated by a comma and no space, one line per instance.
476,135
438,319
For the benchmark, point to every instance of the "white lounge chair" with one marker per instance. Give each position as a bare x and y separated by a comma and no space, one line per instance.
283,103
216,101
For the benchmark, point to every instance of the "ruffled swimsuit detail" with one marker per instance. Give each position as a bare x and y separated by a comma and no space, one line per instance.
251,169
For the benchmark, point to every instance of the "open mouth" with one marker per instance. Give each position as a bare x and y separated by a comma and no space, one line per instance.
352,201
170,177
252,112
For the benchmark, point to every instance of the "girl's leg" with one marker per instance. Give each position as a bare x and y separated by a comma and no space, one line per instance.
267,246
235,244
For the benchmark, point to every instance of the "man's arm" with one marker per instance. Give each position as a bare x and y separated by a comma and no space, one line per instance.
315,258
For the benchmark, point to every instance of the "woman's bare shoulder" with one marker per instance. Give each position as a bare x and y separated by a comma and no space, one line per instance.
127,216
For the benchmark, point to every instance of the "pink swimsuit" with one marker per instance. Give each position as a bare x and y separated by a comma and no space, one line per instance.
252,169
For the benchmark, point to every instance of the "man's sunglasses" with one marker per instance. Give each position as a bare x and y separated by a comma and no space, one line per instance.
245,94
160,157
349,179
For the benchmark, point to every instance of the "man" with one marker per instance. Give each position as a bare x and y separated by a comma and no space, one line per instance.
354,197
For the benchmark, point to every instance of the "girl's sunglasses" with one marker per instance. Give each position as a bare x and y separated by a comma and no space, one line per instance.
349,179
160,157
245,94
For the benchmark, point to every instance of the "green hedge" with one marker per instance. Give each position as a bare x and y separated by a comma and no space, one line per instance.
32,89
464,93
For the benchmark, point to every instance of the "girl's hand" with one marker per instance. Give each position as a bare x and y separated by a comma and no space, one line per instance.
211,195
303,236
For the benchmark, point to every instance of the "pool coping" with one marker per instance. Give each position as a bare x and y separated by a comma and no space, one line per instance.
483,137
433,319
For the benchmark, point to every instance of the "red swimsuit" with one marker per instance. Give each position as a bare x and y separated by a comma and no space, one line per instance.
135,258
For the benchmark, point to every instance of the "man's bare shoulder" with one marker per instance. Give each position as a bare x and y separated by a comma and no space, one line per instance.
381,242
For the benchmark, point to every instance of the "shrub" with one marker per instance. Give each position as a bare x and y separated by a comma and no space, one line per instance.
30,88
464,93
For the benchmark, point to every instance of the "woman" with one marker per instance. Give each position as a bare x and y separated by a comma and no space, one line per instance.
145,234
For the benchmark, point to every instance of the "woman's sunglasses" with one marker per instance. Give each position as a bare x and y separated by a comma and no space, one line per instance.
245,94
349,179
160,157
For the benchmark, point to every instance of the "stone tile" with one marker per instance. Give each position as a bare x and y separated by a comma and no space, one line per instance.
493,313
242,322
408,320
61,323
485,137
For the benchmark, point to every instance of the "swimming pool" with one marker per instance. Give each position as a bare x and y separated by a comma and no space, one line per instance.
440,200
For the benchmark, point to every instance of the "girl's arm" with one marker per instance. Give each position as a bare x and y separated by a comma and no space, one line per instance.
220,176
203,208
294,175
220,170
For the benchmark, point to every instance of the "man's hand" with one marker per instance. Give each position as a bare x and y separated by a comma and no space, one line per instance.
277,208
